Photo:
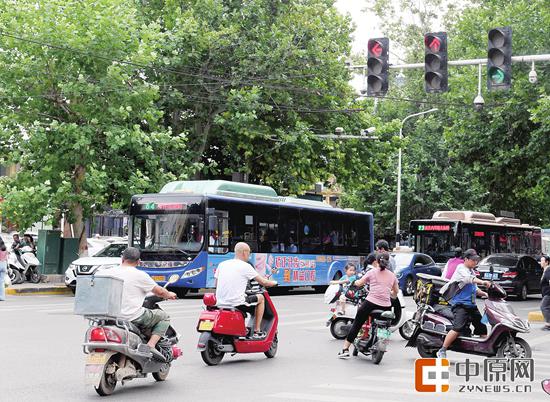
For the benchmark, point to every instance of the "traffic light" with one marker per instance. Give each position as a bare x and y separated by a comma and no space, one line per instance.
377,63
435,62
499,58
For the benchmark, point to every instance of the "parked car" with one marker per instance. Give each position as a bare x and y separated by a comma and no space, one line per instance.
518,274
410,264
108,257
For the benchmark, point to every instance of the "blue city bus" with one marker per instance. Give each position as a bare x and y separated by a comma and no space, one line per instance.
191,226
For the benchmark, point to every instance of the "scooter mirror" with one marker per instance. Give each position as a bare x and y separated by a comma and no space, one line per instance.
491,269
173,278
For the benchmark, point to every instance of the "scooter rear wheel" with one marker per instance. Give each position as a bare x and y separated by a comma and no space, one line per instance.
272,351
211,355
162,374
424,351
107,384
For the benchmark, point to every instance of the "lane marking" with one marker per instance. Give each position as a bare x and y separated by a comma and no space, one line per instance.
294,396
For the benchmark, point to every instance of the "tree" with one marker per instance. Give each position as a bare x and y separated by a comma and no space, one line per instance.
254,82
459,158
80,114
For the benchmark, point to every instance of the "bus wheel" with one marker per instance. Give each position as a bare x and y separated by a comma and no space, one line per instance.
180,292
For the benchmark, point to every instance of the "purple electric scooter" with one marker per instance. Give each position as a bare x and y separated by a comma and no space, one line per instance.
432,326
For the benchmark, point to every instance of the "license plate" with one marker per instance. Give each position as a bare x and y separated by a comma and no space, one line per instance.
206,325
383,333
93,373
97,358
159,278
490,276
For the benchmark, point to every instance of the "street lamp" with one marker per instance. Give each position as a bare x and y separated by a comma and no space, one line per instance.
398,217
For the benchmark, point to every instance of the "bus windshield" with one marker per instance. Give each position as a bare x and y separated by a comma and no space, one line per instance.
169,233
438,245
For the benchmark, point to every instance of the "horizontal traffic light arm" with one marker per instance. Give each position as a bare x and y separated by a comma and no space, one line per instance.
471,62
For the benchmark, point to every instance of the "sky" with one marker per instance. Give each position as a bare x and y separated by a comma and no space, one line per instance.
366,23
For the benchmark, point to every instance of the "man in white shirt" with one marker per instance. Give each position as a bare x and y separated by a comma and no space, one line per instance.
136,286
232,276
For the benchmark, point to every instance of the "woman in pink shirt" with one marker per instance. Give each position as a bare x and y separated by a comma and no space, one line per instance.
382,287
3,268
451,265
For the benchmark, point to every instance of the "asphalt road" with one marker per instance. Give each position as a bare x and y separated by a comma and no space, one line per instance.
41,360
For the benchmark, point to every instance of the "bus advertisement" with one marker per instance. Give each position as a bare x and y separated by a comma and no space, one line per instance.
191,226
487,234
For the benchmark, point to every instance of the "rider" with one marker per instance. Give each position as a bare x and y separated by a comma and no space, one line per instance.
232,276
464,301
383,286
16,248
382,246
136,286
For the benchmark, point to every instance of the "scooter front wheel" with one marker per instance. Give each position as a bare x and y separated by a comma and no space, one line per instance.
35,276
523,350
336,328
407,329
377,357
211,355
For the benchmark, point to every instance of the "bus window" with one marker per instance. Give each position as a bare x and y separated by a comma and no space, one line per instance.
288,231
268,230
311,232
218,239
242,228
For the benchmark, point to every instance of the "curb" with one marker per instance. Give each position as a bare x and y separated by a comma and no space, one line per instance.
54,290
535,316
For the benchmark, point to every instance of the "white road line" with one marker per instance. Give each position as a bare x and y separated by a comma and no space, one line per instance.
411,391
295,396
286,323
404,380
403,371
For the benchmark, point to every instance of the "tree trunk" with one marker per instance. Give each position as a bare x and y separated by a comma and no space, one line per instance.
78,211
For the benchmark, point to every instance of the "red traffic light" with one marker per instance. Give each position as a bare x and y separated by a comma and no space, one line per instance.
434,43
375,48
435,62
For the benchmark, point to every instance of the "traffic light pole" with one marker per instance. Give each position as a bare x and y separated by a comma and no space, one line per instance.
470,62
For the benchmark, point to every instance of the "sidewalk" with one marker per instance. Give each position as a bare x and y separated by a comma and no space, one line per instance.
53,286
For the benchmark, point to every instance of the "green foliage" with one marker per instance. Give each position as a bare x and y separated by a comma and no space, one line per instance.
85,130
458,158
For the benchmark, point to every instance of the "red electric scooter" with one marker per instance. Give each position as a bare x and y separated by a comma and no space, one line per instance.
224,330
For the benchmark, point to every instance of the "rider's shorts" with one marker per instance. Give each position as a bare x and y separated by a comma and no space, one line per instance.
464,315
250,305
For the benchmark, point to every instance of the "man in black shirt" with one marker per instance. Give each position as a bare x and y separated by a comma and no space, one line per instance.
545,290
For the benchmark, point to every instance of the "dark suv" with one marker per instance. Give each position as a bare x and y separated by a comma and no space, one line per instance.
518,274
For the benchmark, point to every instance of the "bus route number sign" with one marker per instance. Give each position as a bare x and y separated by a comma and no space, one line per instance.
434,228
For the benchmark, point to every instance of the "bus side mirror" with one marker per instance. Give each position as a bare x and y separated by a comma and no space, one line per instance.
212,223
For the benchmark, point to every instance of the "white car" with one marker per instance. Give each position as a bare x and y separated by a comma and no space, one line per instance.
108,257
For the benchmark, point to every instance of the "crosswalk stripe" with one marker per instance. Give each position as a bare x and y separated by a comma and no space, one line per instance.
411,391
288,323
295,396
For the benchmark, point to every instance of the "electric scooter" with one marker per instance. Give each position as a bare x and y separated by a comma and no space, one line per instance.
431,327
23,265
114,353
223,329
340,324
